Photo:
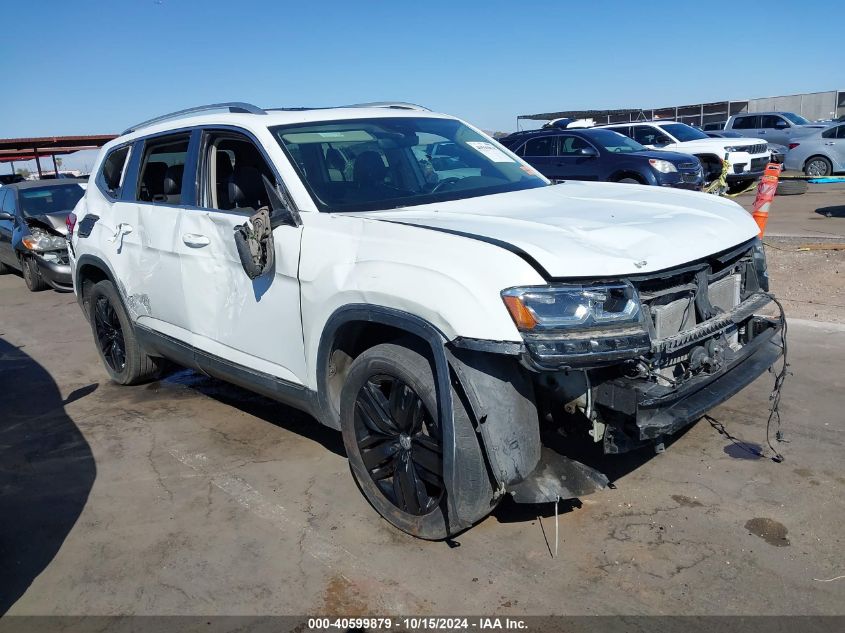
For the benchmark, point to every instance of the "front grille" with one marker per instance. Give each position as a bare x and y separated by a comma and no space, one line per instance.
691,177
688,165
755,149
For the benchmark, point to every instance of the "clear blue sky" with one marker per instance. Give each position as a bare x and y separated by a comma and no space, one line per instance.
97,66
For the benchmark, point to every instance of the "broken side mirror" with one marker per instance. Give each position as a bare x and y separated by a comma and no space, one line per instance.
254,241
281,213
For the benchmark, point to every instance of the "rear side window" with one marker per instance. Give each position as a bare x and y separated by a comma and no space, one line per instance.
111,173
570,145
543,146
834,132
771,121
162,168
745,123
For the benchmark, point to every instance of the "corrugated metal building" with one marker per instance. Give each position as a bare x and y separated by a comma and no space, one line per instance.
811,105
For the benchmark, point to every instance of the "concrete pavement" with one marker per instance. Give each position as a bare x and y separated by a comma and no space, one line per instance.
189,496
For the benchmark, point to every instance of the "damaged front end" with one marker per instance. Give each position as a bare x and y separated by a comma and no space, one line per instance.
45,241
626,362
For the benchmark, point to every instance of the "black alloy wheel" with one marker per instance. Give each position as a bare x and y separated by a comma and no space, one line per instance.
400,444
109,334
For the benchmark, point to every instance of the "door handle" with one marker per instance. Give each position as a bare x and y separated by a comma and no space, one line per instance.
195,240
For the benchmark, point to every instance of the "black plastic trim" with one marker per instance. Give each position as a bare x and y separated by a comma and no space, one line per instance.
436,341
157,343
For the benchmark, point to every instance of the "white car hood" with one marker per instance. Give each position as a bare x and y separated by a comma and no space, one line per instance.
716,144
579,229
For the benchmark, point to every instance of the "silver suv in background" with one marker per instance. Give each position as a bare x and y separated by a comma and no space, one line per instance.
774,127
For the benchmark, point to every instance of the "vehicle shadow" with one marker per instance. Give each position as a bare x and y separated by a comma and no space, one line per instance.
836,211
256,405
46,471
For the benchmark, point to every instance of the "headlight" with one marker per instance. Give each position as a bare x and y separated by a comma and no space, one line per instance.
737,148
758,256
579,324
39,240
663,166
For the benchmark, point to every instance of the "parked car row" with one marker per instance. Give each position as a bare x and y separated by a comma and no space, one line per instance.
33,230
673,154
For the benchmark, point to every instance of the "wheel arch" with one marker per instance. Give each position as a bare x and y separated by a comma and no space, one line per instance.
507,423
628,172
90,270
817,155
356,318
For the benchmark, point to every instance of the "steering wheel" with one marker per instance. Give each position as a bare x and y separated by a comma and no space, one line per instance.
446,181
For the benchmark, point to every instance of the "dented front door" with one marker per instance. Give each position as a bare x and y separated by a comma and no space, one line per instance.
254,323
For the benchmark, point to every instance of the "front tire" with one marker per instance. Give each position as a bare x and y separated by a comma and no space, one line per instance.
123,357
393,439
31,275
818,167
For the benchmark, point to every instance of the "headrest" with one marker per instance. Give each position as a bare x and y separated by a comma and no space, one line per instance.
173,180
224,166
246,189
154,177
369,168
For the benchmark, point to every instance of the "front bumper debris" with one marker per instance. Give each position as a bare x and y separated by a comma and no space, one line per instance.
646,411
557,477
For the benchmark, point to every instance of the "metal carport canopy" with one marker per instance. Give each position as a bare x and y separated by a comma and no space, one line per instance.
34,148
581,114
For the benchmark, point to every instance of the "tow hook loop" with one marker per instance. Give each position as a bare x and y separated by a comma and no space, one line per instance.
254,241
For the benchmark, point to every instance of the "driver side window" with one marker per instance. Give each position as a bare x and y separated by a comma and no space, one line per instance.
234,173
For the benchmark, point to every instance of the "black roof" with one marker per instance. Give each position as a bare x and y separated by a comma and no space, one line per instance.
586,131
34,184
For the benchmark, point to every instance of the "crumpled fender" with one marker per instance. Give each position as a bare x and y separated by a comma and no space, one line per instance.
501,400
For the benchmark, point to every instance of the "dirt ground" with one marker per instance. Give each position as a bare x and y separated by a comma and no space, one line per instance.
806,273
811,283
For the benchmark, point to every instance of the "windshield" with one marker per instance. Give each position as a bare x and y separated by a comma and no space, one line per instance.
795,118
384,163
52,199
615,142
683,132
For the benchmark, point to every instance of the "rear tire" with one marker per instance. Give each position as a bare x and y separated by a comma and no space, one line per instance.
31,275
392,435
739,186
818,167
791,187
123,357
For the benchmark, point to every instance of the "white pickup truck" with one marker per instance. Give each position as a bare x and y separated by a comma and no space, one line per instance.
747,156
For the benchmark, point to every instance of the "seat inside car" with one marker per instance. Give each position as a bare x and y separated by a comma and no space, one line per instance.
246,188
173,184
152,182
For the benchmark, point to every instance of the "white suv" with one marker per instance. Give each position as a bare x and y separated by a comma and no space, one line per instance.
747,156
444,323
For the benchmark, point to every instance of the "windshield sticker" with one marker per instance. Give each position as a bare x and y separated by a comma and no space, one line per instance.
490,151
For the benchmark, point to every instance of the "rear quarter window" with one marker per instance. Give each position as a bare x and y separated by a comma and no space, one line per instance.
110,177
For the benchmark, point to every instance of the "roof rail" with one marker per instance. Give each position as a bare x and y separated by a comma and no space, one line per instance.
398,105
231,106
